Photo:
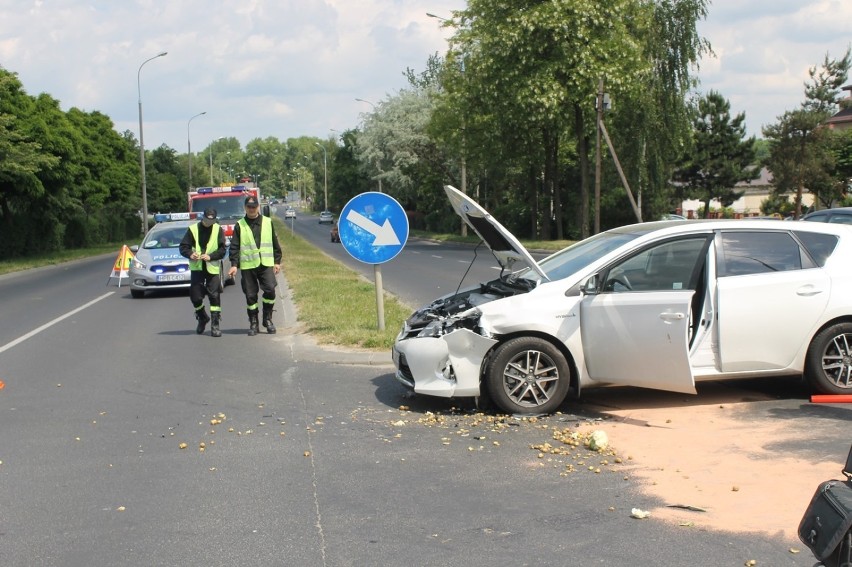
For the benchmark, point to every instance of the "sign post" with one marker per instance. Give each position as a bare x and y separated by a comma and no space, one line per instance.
373,229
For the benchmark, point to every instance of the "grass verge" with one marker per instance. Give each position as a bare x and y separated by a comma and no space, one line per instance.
16,265
335,304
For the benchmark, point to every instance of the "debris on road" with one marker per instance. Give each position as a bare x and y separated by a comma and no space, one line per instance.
686,507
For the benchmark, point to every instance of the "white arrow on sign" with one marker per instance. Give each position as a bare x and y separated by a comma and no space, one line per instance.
385,235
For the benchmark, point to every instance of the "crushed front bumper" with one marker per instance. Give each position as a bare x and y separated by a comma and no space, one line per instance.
446,366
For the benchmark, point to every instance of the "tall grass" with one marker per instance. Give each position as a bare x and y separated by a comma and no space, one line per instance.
335,304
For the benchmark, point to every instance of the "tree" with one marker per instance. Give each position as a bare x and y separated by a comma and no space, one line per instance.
803,153
21,158
166,181
346,176
718,158
530,75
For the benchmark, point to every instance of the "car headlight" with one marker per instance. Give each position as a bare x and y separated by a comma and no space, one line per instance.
137,265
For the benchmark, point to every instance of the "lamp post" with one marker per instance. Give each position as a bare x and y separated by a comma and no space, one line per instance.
142,143
189,147
378,165
324,172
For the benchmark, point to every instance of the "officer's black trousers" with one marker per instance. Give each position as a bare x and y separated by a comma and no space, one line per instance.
256,280
201,283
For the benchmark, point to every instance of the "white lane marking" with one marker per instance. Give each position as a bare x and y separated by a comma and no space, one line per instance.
34,332
438,257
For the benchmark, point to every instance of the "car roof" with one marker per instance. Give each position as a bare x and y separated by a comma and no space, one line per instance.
836,210
508,249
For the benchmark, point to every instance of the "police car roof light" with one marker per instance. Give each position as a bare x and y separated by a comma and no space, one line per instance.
165,217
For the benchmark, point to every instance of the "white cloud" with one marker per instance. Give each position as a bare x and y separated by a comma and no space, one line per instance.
764,50
287,68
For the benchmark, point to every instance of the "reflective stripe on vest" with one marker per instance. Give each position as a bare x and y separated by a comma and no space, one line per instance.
212,245
250,255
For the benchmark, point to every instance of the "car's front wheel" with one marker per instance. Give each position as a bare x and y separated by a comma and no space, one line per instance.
528,375
828,367
137,293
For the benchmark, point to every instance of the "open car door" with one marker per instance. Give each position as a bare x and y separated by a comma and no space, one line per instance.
638,339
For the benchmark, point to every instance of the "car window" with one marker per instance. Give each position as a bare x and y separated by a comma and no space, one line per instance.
840,219
670,265
744,253
164,238
817,217
579,255
819,246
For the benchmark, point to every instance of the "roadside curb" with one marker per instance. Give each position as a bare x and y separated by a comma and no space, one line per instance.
304,347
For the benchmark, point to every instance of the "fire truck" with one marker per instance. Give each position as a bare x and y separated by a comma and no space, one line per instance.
228,202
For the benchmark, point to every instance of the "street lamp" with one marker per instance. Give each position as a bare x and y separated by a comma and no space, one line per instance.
324,172
142,144
189,148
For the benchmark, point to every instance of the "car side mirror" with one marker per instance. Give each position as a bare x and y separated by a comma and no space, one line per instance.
591,286
265,211
134,248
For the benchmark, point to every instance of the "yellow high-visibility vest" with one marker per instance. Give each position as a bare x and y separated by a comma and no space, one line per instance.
212,245
250,255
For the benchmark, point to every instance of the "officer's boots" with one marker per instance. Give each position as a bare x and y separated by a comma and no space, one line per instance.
267,318
252,315
203,318
214,325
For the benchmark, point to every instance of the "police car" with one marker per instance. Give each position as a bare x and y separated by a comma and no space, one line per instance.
158,263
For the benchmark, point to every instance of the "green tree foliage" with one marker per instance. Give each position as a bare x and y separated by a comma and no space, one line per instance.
718,156
524,76
397,150
21,163
166,181
349,178
803,153
65,177
653,123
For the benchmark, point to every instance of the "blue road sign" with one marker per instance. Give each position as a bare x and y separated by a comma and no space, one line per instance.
373,227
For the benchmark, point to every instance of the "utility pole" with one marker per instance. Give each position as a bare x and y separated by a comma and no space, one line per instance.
598,120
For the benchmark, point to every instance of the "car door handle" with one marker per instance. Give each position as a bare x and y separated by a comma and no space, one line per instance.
672,316
808,291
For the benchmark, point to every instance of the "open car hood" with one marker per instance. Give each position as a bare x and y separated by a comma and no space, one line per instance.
502,243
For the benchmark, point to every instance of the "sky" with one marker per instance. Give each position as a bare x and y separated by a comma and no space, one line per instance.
288,68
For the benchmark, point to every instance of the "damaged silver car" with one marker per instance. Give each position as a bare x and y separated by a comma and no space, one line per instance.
657,305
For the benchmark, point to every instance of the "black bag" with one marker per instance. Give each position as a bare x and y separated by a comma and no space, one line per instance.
826,527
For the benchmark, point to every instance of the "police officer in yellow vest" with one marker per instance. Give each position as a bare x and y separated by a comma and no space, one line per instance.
204,245
255,249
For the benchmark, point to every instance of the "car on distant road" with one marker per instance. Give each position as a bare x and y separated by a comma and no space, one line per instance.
290,213
840,215
335,233
659,305
326,217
